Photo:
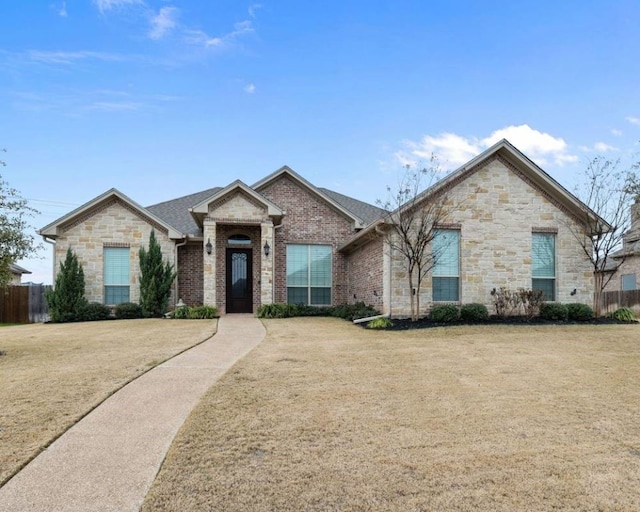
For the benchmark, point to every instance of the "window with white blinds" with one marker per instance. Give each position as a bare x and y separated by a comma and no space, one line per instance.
309,272
116,275
446,271
543,264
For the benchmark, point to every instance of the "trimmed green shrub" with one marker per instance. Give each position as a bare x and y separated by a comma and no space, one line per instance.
156,278
203,312
379,323
95,311
553,311
624,315
277,310
353,311
180,313
474,312
128,310
304,310
444,314
578,312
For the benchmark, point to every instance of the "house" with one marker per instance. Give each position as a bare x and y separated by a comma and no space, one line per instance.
627,260
285,240
16,274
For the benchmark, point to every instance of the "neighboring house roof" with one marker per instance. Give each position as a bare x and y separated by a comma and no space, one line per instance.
53,230
528,171
17,269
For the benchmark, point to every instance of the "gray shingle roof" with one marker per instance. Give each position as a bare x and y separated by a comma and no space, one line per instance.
367,212
176,211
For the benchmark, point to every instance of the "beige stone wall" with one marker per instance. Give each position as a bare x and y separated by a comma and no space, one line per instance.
238,207
110,225
497,211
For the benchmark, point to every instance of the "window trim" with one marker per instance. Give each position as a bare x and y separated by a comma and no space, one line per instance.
308,286
437,231
551,234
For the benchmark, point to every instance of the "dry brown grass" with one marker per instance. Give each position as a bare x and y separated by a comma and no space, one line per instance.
53,374
327,416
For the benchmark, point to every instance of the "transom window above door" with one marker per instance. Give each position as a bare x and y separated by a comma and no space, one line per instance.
239,240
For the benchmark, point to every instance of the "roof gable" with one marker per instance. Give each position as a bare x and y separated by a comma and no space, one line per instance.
287,171
54,229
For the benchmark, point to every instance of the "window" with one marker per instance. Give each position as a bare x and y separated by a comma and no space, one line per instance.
116,275
446,271
628,282
543,263
309,274
239,240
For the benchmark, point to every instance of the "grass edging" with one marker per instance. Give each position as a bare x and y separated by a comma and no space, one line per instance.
98,404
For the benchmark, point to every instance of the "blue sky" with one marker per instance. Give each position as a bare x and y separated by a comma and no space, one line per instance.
164,98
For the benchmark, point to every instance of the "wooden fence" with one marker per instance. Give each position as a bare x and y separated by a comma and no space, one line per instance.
610,301
23,304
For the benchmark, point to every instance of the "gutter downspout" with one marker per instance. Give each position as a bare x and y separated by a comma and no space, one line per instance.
53,269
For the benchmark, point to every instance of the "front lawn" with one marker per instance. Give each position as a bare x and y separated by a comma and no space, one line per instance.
324,415
53,374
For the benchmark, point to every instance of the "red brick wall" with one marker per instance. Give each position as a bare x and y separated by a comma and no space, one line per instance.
308,220
190,268
365,274
223,232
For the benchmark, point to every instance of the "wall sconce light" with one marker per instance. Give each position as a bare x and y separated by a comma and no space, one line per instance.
375,293
267,249
208,247
574,291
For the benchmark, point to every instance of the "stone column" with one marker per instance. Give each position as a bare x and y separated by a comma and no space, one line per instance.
266,263
209,266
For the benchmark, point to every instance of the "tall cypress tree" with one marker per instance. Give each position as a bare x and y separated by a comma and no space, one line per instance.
156,278
66,301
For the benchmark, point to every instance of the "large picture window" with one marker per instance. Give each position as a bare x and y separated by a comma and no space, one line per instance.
543,262
446,271
309,273
116,275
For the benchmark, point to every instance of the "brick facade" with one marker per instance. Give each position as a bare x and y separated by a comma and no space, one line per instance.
309,220
190,269
365,273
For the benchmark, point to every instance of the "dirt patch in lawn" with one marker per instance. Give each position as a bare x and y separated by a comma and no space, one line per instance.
53,374
324,415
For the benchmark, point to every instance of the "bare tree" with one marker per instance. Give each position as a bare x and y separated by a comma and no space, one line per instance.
412,224
608,192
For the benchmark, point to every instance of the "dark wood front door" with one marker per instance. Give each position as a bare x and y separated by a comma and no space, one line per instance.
239,282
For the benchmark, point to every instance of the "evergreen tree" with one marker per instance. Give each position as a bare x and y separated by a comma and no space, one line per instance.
156,278
66,301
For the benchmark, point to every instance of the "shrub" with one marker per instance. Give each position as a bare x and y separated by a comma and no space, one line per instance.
304,310
578,312
128,310
379,323
531,300
202,312
553,311
474,313
180,313
444,314
505,301
95,311
156,277
353,311
277,310
624,315
66,301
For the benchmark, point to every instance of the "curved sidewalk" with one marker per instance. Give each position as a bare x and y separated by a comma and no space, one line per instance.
108,460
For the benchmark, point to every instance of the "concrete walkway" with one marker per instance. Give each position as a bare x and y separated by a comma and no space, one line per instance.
108,461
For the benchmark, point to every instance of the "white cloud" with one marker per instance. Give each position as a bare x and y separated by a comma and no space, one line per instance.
114,106
633,120
599,147
253,8
59,57
616,132
454,150
201,38
250,89
63,10
107,5
164,22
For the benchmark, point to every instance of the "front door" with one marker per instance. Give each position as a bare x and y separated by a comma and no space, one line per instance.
239,282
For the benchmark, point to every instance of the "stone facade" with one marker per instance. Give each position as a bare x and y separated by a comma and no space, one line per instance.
496,211
112,224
